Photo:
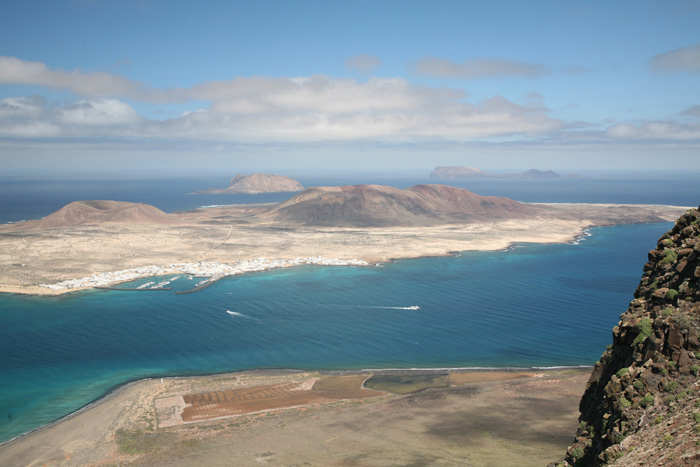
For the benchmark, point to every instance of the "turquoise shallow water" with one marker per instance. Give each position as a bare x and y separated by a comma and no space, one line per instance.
533,305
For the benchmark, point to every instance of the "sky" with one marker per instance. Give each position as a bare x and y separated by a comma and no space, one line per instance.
121,86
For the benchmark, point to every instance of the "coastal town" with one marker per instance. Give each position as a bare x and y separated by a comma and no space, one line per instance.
212,271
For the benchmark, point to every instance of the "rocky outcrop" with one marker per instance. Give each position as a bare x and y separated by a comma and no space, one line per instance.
470,172
258,183
377,205
641,403
90,212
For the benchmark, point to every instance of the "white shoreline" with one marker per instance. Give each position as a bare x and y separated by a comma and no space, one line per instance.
214,270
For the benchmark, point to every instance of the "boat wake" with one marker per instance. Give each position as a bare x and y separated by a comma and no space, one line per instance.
413,307
240,315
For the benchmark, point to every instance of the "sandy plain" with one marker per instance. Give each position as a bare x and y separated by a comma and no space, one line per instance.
481,419
30,257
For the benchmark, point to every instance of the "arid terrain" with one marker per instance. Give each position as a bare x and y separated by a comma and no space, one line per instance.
87,238
478,419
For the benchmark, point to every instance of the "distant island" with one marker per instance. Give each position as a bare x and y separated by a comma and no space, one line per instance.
99,243
257,183
470,172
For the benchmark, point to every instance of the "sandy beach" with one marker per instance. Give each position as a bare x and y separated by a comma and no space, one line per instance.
491,418
228,235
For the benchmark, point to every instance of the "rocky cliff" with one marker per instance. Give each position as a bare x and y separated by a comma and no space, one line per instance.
641,405
258,183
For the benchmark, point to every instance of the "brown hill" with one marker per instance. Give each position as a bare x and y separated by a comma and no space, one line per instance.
258,183
376,205
90,212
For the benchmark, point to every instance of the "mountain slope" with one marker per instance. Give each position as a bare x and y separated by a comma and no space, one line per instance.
376,205
88,212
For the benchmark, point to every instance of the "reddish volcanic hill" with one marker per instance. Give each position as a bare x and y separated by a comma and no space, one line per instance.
89,212
376,205
258,183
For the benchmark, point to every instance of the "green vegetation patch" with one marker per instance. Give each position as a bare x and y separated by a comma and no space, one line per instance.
671,294
138,442
406,384
647,400
670,256
622,372
577,453
645,330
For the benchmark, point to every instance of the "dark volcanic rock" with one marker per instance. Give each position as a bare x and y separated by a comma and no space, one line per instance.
639,407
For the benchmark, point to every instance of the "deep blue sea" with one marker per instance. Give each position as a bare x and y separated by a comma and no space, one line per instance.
530,306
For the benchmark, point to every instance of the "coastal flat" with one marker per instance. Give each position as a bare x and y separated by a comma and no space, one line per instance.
481,419
30,257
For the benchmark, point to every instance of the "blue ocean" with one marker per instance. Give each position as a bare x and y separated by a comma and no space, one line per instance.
529,306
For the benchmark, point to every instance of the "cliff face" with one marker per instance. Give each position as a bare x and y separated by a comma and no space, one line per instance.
641,405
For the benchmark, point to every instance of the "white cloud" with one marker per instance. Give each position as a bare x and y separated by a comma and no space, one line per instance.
316,108
94,84
99,112
33,117
682,59
264,110
317,93
363,63
478,68
21,107
657,130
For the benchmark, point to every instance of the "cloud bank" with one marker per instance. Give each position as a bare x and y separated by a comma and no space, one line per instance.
262,109
311,109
